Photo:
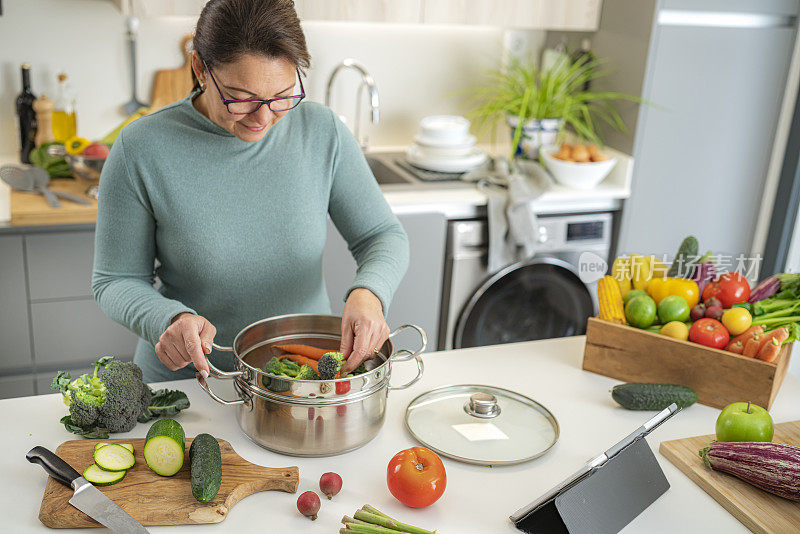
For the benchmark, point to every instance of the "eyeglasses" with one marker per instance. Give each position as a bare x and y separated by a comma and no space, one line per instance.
246,107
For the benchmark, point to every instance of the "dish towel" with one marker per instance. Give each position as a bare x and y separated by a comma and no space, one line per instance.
511,214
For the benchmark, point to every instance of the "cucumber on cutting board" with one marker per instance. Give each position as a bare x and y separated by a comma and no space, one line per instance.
205,460
113,458
164,447
126,445
642,396
100,477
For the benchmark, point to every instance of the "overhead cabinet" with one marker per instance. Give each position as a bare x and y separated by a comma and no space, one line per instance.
573,15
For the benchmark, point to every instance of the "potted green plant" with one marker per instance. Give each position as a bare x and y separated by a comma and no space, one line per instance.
539,104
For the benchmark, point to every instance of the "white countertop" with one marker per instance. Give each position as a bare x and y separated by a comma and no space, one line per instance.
477,499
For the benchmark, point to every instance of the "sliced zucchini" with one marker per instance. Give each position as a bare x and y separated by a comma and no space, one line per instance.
128,446
101,477
113,457
164,447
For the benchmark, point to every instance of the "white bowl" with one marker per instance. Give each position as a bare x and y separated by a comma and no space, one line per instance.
454,151
572,174
464,163
465,144
451,129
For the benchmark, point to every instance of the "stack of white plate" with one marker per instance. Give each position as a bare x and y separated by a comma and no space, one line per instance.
444,144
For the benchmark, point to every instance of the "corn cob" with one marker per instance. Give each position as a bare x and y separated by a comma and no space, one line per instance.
610,300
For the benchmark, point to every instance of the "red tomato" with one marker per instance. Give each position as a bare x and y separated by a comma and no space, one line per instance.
730,289
709,332
416,477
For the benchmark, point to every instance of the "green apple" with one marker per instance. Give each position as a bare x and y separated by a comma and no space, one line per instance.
743,421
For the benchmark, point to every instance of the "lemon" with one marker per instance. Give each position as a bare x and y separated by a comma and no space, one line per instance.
675,329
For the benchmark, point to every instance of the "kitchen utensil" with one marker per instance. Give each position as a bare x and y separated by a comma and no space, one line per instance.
761,512
308,417
28,210
83,167
86,497
156,500
465,163
170,85
132,24
482,425
30,180
606,493
575,175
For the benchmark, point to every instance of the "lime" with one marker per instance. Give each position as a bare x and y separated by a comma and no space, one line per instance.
640,311
673,308
633,293
675,329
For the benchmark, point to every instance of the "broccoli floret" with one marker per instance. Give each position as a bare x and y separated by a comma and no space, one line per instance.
330,364
307,373
274,366
289,368
360,369
112,397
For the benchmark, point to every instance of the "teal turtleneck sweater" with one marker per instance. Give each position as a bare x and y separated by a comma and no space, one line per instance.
235,230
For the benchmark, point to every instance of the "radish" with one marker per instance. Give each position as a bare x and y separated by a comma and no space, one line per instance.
308,504
330,484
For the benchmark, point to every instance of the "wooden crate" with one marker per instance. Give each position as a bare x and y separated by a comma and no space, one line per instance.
719,377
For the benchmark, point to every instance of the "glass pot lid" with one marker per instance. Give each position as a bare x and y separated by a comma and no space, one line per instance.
482,425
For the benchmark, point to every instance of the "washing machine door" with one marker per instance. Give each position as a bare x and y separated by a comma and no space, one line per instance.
538,299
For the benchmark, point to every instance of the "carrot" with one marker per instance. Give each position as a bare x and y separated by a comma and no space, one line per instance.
300,360
304,350
736,347
752,345
747,334
771,345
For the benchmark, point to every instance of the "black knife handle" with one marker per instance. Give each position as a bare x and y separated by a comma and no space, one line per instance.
53,464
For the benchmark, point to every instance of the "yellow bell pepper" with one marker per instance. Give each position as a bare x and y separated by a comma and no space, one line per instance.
645,268
621,272
660,288
75,145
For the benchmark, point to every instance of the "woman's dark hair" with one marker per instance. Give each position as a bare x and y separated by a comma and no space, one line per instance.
228,29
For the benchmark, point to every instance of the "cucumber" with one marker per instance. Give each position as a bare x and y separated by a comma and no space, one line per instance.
205,460
126,445
100,477
640,396
164,447
113,458
687,253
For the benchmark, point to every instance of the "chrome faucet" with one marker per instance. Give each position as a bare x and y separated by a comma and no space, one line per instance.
366,81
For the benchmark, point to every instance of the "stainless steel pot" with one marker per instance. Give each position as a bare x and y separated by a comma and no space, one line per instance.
308,417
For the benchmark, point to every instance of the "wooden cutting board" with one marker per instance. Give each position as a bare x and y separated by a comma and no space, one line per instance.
761,512
170,85
33,209
155,500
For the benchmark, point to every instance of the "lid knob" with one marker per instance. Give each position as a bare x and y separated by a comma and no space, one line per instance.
482,405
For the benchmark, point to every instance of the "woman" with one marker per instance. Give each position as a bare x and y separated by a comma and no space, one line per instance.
229,191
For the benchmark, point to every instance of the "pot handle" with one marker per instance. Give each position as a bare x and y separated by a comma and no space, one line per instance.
218,373
214,396
403,355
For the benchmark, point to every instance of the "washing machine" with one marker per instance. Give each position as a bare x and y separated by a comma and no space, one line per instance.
540,298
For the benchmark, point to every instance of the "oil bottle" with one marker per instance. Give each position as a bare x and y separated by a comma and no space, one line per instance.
64,119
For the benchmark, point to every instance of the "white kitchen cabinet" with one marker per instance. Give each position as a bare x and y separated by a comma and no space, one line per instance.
60,264
572,15
15,345
418,297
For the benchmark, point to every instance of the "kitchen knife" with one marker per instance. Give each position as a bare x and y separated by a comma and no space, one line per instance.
86,498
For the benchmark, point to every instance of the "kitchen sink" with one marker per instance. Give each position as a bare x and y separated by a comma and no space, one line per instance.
387,172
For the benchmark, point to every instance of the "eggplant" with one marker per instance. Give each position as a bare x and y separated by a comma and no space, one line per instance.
765,289
703,274
773,467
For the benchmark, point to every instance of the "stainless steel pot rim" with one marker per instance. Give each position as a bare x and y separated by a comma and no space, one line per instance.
249,367
540,407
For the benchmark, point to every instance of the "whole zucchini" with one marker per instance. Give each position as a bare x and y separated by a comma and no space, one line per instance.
773,467
687,253
642,396
206,467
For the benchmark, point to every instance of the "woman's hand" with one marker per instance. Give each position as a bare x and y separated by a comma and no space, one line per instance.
363,328
187,340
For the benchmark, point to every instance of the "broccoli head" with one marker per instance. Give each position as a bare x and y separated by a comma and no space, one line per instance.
274,366
112,397
330,364
307,373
